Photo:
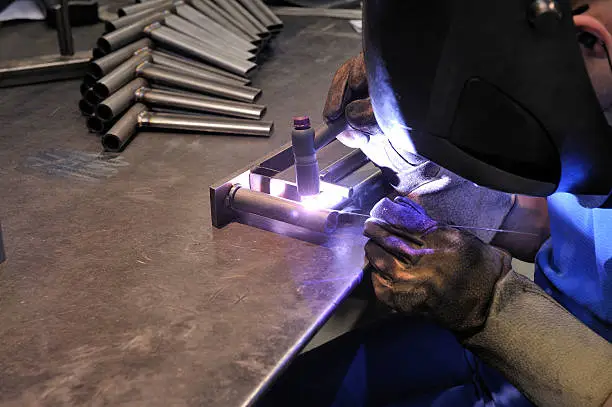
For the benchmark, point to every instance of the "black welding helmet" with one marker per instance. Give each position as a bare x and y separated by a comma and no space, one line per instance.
495,91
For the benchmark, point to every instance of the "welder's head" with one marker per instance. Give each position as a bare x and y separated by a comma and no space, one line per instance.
497,93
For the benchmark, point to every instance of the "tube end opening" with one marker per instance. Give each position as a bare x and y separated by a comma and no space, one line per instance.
95,125
84,88
111,143
121,12
101,91
95,71
86,108
104,45
104,112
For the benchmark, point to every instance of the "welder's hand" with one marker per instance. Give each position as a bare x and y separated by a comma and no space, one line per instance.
348,96
425,268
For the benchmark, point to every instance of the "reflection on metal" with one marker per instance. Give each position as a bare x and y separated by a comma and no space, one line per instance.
350,182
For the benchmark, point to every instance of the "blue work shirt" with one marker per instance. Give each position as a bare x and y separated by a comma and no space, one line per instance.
575,265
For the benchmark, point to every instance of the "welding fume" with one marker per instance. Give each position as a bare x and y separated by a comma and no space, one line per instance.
488,122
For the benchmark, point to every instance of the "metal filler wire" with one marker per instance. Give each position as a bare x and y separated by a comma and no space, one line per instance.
459,227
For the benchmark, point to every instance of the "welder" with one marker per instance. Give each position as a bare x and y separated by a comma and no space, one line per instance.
508,97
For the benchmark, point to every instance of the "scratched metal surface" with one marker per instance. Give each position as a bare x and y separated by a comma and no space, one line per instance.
116,290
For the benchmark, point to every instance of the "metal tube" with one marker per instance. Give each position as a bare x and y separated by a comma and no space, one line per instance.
185,44
283,210
212,10
119,101
84,88
64,30
217,30
137,8
205,124
89,80
97,53
121,22
86,108
107,63
168,77
120,75
266,10
202,66
326,133
91,97
237,16
200,35
256,12
262,30
116,138
161,59
118,38
200,104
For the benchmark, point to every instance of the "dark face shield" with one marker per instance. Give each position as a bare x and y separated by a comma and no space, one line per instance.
496,92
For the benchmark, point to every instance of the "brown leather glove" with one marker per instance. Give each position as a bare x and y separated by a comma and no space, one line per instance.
429,269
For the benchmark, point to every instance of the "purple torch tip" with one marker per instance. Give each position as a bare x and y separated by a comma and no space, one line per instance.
301,122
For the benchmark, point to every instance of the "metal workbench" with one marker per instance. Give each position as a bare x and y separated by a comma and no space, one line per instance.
117,290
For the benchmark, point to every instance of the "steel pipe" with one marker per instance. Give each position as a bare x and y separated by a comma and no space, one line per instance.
203,66
212,10
119,101
163,60
215,29
283,210
86,108
107,63
203,104
118,135
130,33
267,18
200,35
192,48
205,124
91,97
230,9
97,53
121,22
64,30
89,80
266,10
137,8
138,116
84,88
120,75
168,77
262,30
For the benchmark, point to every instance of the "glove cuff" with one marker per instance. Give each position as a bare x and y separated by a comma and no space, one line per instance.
542,349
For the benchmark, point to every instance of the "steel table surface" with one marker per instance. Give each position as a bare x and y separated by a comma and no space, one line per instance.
117,290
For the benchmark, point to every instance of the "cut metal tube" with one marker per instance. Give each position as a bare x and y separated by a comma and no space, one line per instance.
163,98
257,13
86,108
123,130
213,28
107,63
121,22
97,53
271,15
202,66
138,116
89,80
205,124
283,210
161,59
137,8
91,97
237,16
262,30
120,75
84,88
202,36
130,33
218,14
192,48
119,101
168,77
64,30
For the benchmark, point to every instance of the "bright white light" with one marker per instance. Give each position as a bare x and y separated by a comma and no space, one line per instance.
330,196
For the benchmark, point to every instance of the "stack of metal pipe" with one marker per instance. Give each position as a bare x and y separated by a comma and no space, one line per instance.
181,65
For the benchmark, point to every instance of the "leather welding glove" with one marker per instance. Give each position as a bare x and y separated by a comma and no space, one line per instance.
445,195
424,268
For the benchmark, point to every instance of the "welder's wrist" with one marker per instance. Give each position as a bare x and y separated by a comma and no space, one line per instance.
549,355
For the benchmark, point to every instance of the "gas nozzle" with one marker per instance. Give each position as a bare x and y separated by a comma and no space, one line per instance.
304,151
